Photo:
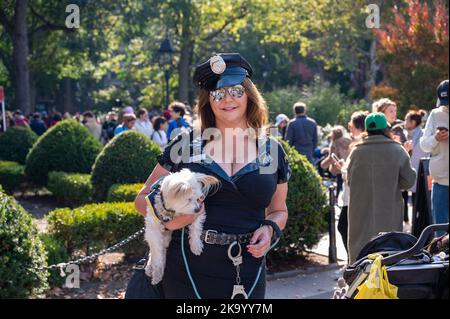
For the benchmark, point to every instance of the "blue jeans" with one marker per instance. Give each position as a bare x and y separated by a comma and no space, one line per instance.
439,204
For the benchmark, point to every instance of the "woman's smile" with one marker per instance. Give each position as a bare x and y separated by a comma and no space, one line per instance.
229,108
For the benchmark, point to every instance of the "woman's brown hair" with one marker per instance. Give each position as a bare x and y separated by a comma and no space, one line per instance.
141,112
257,113
416,116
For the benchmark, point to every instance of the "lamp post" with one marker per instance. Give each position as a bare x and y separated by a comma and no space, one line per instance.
165,61
266,70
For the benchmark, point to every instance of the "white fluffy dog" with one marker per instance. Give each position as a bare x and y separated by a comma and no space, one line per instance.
178,193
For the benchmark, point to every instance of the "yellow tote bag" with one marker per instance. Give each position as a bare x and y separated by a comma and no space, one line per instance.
377,285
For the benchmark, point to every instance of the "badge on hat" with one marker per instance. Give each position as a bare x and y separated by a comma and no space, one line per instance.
217,64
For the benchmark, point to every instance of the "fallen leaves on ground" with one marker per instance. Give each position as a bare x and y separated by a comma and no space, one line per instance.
105,282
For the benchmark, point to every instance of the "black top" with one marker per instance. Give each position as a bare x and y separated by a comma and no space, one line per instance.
238,207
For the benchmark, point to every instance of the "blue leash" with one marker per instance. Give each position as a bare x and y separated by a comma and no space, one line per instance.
194,286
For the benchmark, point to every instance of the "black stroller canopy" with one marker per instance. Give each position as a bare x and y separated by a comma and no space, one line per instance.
393,241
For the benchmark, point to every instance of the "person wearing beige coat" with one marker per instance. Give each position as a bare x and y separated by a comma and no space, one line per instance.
378,168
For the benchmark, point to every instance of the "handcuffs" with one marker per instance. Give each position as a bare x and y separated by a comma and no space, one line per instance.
239,289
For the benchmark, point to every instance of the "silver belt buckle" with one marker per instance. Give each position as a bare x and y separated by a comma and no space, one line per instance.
207,236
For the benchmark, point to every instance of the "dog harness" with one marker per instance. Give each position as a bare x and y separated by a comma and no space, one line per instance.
150,200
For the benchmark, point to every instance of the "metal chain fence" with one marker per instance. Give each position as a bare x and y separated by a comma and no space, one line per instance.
93,257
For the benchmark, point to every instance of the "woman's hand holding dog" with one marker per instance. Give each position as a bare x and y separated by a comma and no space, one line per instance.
260,242
181,221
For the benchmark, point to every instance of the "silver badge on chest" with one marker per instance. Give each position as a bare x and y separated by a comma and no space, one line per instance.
217,64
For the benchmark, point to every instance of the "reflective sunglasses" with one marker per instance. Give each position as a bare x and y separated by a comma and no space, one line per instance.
236,91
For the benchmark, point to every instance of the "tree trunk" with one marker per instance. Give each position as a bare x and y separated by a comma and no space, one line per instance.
33,89
374,67
184,67
187,50
20,56
67,96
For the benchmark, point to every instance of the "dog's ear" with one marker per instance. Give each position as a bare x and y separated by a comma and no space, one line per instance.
183,189
209,183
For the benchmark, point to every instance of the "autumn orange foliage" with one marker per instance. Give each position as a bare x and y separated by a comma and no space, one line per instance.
415,52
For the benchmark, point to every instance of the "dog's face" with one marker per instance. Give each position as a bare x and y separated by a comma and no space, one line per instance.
185,191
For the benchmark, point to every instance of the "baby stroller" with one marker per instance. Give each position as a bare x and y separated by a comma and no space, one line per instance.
410,267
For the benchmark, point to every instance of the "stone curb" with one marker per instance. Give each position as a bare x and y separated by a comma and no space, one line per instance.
302,271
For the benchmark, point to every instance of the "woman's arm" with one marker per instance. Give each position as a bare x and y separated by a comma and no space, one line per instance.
428,141
139,202
325,164
276,212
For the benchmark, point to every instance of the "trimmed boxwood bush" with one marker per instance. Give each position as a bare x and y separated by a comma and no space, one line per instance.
67,147
20,251
12,175
128,158
123,192
70,189
56,253
93,227
307,207
15,144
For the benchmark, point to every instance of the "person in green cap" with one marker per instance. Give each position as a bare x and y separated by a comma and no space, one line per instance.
378,168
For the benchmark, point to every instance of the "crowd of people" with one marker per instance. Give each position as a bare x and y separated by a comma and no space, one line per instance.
157,126
375,164
375,161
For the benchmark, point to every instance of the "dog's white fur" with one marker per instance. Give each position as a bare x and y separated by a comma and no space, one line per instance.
183,192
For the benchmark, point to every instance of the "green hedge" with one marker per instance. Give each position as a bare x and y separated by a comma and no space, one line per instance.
56,253
70,189
123,192
128,158
94,227
307,207
67,147
12,175
20,251
15,144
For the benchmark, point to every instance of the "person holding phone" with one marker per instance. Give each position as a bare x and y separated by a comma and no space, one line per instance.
435,141
339,149
356,127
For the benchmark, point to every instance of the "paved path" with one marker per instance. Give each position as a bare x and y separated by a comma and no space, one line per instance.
314,284
317,285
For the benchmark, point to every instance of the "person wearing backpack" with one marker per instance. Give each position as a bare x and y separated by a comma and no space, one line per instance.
109,126
177,124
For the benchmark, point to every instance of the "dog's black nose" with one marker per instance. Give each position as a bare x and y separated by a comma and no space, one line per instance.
198,209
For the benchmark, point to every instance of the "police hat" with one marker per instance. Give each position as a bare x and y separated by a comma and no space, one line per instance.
223,69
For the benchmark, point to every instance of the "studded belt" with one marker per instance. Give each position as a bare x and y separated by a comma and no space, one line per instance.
213,237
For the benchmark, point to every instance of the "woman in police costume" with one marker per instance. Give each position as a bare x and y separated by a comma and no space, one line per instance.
248,211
